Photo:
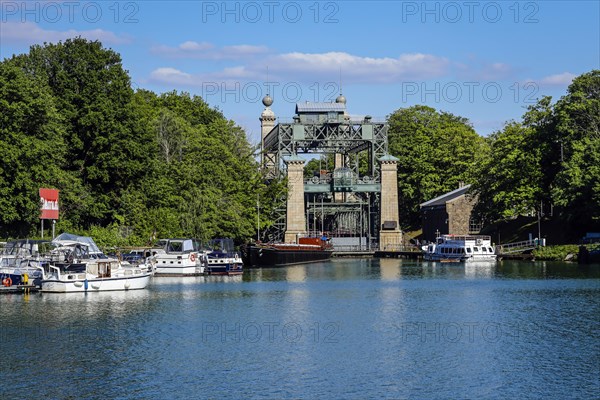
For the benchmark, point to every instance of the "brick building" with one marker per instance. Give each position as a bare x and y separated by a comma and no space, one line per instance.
450,213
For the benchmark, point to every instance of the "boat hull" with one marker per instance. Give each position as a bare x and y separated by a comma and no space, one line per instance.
179,270
81,284
229,268
258,256
218,270
442,258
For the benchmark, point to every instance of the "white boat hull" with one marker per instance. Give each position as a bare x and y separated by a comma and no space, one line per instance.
180,270
82,284
475,258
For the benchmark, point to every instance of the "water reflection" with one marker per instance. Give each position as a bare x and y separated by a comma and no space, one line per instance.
390,269
296,273
480,269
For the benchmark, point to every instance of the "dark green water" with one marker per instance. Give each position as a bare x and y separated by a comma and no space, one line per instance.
343,329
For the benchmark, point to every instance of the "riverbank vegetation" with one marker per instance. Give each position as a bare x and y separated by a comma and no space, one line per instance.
556,253
134,165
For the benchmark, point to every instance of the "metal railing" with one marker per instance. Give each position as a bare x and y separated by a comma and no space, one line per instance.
516,247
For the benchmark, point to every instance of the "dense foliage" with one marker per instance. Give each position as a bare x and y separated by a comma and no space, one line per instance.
436,152
548,162
138,164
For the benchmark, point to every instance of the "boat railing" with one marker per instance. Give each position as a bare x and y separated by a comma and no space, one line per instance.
463,238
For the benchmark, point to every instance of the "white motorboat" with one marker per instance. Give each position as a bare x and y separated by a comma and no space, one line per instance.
448,248
181,257
94,276
77,265
19,262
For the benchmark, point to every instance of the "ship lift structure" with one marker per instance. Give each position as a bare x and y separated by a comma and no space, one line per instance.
355,202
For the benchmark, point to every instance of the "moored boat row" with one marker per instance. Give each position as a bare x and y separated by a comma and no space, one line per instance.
75,264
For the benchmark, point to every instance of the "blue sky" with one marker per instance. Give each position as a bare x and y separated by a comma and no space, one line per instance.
483,60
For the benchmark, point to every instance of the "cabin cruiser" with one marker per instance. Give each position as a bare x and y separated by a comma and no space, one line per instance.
460,248
76,264
178,257
20,261
222,258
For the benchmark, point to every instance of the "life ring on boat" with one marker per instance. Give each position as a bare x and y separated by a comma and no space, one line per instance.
192,257
7,282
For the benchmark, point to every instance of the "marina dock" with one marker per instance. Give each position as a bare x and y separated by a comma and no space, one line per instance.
19,289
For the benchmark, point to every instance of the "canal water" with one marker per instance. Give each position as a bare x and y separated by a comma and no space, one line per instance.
349,328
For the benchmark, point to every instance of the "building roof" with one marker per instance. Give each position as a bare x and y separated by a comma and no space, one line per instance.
313,107
446,197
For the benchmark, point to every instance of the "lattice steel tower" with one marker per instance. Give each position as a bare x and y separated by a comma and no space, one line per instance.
356,202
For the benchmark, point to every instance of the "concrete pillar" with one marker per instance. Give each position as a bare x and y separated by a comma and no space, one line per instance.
390,235
295,217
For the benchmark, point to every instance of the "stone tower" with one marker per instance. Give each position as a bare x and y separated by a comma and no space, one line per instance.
390,235
267,122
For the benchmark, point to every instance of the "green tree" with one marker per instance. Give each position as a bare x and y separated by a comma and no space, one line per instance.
93,95
508,181
31,148
436,150
576,186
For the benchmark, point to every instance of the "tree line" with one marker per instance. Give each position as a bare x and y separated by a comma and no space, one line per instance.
135,165
162,165
547,161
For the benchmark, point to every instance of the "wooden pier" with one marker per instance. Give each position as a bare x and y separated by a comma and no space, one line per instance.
19,289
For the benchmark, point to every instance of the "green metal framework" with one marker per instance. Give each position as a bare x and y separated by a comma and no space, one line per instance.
355,210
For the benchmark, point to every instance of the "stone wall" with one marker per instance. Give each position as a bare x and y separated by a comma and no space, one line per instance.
459,213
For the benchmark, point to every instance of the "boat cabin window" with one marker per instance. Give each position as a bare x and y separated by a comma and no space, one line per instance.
175,246
469,250
475,249
484,249
490,250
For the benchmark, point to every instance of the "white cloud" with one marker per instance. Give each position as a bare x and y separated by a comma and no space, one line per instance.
30,33
204,50
171,76
312,67
195,46
357,69
563,79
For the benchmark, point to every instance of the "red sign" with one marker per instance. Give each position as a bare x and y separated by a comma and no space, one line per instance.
49,203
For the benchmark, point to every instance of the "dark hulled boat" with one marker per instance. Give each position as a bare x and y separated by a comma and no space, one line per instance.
282,254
